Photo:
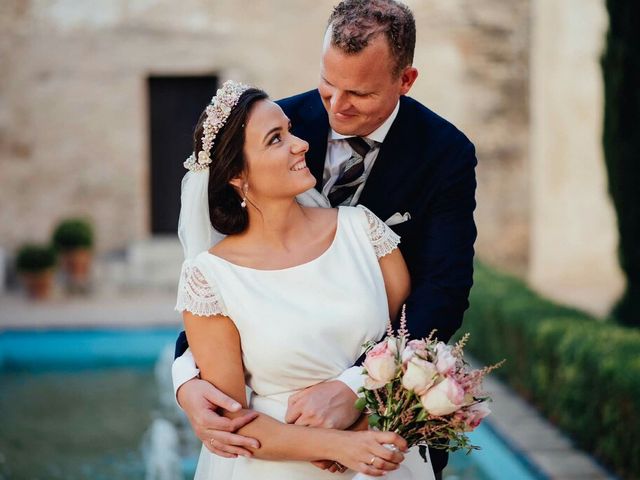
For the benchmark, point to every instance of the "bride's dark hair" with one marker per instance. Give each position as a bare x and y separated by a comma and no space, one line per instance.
227,162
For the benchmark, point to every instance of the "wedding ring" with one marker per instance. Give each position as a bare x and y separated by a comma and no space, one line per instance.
373,459
211,442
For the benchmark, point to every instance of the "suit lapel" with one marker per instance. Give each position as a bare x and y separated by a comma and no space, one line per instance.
377,193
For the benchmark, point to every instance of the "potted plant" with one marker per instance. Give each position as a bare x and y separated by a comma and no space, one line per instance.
73,238
36,263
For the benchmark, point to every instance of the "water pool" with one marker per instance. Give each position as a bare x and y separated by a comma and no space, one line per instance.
97,404
75,425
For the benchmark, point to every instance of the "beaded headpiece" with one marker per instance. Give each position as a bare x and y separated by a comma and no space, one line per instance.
218,112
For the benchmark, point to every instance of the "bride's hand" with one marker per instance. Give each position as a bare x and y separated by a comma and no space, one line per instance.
364,451
200,400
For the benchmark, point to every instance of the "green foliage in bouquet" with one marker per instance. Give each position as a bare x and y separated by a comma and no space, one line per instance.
73,233
583,374
621,141
35,258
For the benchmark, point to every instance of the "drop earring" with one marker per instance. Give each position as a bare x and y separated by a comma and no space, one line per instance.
243,204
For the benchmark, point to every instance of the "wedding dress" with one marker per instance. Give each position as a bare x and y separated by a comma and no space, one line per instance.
298,326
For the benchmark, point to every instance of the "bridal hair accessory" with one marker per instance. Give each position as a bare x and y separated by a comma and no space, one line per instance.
194,225
218,112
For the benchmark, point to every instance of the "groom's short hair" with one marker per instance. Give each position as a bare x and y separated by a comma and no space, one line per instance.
354,23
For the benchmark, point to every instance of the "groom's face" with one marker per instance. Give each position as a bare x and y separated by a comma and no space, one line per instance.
360,90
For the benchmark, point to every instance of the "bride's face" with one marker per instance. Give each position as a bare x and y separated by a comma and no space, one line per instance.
274,157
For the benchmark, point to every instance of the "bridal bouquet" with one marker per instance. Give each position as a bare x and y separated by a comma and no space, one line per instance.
423,390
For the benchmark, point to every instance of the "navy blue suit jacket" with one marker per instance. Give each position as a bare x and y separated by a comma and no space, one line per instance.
426,167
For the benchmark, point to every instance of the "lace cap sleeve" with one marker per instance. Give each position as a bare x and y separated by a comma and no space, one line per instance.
197,295
383,239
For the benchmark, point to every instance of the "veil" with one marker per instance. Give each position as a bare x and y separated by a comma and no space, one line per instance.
194,225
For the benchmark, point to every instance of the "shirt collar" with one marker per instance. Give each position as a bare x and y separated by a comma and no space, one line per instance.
378,134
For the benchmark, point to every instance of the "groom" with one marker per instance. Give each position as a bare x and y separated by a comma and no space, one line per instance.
406,164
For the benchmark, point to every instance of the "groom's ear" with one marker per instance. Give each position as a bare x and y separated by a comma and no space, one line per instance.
407,79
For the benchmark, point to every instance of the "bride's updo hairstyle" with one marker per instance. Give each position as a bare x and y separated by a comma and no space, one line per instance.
227,162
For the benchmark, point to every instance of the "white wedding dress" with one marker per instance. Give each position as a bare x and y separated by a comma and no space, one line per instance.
298,326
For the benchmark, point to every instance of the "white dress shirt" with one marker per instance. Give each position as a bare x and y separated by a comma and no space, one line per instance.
338,151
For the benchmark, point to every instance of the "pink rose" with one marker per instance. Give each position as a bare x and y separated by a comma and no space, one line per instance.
475,414
380,363
445,361
419,376
443,398
411,348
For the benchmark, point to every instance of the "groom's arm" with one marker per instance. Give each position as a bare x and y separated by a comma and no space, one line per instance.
181,345
184,366
442,270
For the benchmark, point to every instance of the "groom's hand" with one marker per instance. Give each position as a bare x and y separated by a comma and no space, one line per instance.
200,400
328,405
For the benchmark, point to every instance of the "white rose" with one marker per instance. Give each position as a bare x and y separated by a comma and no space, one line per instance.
419,376
443,398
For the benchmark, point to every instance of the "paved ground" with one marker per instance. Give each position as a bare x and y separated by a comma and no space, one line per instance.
133,309
543,445
547,449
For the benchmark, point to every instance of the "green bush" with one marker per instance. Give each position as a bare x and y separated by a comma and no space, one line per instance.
35,258
73,233
583,374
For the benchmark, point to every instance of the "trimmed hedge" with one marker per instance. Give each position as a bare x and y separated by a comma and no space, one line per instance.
583,374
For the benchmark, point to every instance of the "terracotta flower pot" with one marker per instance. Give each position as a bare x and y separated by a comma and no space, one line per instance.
39,285
77,268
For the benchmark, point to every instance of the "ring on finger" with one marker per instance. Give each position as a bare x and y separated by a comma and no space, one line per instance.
211,442
373,459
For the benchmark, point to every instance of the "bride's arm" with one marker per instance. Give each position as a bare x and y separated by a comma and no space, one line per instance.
215,343
397,281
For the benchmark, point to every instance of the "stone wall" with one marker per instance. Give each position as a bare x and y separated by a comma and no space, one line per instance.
73,119
474,58
573,229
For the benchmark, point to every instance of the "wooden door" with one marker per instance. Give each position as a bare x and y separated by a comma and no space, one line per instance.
175,104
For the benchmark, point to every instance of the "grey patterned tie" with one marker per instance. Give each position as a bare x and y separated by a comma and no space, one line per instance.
352,175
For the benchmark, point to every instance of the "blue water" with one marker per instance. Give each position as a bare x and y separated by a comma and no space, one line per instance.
78,349
495,460
82,399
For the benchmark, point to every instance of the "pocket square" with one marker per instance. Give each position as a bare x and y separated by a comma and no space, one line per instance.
397,218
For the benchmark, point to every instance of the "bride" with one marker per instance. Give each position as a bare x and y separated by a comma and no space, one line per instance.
287,298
